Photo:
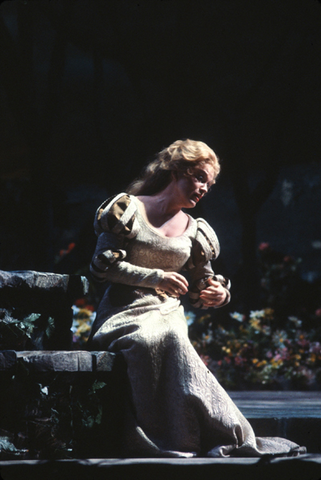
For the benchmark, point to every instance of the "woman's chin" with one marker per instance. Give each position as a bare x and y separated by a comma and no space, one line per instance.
191,203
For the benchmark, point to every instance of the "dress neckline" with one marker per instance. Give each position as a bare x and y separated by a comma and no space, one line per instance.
142,213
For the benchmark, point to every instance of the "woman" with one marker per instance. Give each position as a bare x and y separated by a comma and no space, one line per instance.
145,240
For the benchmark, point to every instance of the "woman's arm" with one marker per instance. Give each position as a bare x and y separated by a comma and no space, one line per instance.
214,295
207,289
108,264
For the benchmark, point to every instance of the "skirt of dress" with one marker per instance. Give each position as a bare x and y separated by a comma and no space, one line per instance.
177,407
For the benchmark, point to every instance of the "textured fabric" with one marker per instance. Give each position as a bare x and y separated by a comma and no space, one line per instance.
178,408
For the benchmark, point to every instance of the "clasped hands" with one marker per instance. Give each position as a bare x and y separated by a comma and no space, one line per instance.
175,284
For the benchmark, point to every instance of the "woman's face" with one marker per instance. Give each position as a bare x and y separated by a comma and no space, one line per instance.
192,186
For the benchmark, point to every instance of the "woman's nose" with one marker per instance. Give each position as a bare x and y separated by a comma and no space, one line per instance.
204,187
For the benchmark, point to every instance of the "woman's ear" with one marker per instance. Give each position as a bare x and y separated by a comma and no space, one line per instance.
174,175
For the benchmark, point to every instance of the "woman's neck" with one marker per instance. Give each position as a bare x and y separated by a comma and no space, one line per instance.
164,202
163,213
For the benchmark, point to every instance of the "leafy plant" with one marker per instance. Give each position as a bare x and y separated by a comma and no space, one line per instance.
24,331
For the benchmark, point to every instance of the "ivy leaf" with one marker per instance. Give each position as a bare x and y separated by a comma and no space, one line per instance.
7,447
51,327
97,386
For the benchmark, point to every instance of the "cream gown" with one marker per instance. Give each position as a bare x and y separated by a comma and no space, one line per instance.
178,408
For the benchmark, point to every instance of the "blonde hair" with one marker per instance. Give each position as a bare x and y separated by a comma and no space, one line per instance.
180,156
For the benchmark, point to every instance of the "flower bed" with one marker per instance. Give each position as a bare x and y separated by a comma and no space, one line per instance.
275,347
256,353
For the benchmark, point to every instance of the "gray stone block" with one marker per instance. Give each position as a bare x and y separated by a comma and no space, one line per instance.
58,361
48,294
24,288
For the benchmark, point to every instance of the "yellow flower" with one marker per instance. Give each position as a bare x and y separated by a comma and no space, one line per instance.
255,361
83,314
255,323
313,357
83,328
276,363
261,364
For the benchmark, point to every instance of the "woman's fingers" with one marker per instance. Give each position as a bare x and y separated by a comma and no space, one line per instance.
174,283
213,295
179,284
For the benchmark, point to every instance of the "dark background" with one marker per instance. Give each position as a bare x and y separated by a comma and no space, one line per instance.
90,90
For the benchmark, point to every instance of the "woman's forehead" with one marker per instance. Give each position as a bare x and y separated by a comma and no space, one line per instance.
207,169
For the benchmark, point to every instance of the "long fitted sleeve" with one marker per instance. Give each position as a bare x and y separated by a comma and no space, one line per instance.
199,276
109,264
206,247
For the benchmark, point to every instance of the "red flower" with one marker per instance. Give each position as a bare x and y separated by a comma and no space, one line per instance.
63,252
90,307
264,246
71,246
81,302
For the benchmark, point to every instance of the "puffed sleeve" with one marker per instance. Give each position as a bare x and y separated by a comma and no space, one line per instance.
205,248
116,225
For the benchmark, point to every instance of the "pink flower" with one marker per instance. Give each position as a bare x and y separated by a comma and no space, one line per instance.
238,361
318,312
205,359
264,246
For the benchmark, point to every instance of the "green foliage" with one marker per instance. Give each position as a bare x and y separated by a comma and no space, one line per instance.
87,408
57,418
19,331
8,449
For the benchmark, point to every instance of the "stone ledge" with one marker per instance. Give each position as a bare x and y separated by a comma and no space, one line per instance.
293,415
299,468
58,361
48,294
29,289
280,404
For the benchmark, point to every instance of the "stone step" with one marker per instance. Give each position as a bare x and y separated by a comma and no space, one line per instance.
286,404
292,415
305,467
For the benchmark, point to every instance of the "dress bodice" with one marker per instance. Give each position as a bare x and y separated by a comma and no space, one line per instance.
151,249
